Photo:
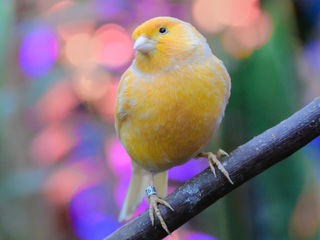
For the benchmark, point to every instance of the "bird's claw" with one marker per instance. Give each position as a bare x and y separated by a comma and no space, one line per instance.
213,160
221,153
154,200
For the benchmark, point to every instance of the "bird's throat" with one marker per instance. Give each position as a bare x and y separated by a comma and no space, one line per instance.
152,62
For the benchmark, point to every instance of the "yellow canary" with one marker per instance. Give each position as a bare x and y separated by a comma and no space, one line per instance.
169,104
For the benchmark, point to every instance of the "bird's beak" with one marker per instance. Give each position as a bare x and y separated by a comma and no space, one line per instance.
144,44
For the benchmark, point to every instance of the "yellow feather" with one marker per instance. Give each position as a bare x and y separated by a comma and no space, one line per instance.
170,117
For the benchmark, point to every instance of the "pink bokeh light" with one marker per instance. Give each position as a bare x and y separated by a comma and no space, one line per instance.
120,162
51,144
118,159
57,103
114,46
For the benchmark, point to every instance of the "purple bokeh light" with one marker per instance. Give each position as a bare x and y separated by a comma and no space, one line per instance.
108,9
38,51
144,9
120,194
179,11
187,170
91,217
314,149
315,143
199,236
121,190
312,54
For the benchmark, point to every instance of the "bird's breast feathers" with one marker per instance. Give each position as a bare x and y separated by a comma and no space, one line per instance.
164,119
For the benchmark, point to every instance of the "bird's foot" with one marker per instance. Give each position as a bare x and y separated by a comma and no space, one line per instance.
154,200
213,160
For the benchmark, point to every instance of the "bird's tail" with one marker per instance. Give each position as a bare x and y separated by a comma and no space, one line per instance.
138,183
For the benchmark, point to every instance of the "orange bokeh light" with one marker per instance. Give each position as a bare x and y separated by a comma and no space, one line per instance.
305,218
80,50
64,183
233,46
51,145
214,15
202,15
67,30
91,87
233,12
114,46
240,41
256,33
57,103
110,46
59,6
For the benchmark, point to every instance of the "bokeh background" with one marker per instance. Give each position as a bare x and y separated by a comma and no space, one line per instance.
63,172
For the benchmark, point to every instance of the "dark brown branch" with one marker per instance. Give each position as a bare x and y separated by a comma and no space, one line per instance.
244,163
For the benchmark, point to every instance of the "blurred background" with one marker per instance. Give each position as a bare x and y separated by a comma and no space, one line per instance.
64,173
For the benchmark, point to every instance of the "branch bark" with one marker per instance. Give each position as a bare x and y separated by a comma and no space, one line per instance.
244,163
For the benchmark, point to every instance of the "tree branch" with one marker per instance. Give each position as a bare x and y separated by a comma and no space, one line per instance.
244,163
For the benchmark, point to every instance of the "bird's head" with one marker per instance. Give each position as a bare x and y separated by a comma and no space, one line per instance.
161,40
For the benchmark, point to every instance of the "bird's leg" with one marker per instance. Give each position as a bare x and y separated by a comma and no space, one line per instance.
154,200
213,159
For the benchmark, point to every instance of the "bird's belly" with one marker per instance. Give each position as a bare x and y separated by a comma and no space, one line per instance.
170,130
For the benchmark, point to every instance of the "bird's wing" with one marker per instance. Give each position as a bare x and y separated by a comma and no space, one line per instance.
121,108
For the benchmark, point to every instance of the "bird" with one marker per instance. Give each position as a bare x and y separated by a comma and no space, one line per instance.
169,104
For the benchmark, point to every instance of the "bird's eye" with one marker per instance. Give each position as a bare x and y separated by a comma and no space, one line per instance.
163,30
